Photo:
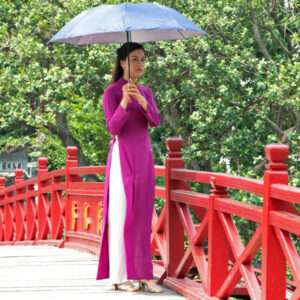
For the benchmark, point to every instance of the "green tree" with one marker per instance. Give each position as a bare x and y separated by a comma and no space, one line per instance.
227,94
54,89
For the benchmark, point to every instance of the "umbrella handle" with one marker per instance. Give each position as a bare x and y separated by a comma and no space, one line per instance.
127,33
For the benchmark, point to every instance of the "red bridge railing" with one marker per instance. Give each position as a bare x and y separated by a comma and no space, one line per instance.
202,259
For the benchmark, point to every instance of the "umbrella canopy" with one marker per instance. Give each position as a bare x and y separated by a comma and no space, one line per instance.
141,22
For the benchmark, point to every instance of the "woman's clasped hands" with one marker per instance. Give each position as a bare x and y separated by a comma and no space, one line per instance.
130,89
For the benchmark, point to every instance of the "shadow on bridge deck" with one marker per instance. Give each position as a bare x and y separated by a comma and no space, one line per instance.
47,272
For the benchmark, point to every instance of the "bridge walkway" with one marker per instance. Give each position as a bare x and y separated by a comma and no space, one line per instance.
49,272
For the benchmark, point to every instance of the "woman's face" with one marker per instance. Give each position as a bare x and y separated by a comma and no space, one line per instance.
137,63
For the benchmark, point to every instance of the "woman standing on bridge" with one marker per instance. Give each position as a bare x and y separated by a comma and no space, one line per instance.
128,202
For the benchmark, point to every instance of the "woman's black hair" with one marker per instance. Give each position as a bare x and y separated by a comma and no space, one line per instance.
122,55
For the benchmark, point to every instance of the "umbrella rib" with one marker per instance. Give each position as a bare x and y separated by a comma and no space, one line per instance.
181,34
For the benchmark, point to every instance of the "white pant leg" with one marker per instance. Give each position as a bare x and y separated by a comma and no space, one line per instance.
116,219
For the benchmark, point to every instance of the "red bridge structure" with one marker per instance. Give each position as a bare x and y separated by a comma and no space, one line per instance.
197,259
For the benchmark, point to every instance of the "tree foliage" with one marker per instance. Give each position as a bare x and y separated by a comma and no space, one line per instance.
227,94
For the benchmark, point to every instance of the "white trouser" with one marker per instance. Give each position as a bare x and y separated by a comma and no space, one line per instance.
116,219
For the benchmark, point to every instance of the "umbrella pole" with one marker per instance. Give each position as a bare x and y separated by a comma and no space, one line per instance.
128,54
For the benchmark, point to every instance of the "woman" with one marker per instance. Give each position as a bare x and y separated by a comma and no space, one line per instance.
130,177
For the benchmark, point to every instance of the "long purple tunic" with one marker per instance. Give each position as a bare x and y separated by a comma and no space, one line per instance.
138,174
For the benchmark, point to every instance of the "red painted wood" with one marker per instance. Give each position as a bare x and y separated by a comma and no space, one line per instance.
160,191
217,260
189,288
31,212
158,235
83,205
243,257
190,175
273,261
223,180
240,209
58,186
189,197
58,173
160,171
10,189
2,208
286,193
195,252
20,198
285,220
44,223
87,170
9,216
57,209
83,241
175,232
236,182
43,215
290,253
71,162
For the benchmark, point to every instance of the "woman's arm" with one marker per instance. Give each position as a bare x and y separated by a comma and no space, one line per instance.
153,116
115,115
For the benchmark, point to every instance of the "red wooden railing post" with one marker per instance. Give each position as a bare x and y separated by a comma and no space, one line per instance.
2,183
57,210
31,214
218,248
19,208
43,202
9,216
273,260
71,162
174,228
2,220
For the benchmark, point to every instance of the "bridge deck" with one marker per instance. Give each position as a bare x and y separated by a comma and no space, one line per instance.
47,272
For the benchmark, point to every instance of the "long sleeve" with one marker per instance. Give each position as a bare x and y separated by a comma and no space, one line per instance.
115,115
153,116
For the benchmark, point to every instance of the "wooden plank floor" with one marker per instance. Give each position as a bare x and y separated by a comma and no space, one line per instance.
48,272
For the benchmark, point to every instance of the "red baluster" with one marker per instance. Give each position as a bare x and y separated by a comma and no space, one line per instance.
19,207
43,204
273,261
70,217
2,207
9,216
18,176
174,228
218,248
2,183
57,210
31,213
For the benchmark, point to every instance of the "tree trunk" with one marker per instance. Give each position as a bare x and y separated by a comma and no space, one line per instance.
62,130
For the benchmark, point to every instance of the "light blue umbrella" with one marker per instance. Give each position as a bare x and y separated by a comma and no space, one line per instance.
140,22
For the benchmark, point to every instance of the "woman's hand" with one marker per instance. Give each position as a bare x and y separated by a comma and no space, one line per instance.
135,93
126,92
130,89
126,95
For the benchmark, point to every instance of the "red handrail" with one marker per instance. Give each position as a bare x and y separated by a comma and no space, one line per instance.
59,208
